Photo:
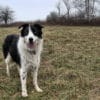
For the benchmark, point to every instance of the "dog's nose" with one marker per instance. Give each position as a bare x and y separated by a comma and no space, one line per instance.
31,40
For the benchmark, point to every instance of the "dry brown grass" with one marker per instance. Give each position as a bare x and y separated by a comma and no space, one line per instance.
70,66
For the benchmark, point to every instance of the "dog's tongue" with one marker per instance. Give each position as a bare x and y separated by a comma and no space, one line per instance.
31,45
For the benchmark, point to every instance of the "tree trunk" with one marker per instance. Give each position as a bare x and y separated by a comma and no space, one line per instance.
87,8
6,21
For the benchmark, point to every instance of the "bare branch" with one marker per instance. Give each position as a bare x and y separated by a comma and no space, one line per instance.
6,15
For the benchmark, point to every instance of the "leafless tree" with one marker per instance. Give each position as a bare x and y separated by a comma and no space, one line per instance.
58,6
6,14
79,5
52,17
86,7
68,7
90,9
76,11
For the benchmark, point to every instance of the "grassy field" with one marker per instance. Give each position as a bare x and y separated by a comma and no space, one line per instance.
70,66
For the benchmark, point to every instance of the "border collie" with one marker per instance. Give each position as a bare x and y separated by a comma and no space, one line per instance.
25,50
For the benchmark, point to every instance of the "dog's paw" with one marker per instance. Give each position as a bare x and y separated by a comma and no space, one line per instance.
39,90
24,94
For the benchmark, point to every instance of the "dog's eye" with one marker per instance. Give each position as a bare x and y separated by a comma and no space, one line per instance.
35,33
26,31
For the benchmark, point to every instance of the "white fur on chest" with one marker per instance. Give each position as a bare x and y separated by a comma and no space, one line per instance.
27,57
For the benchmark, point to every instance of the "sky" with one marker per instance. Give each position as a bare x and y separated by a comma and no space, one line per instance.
30,10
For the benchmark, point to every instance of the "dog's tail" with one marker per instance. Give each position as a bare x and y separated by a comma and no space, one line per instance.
6,45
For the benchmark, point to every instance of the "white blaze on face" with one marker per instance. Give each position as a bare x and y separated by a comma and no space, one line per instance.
30,35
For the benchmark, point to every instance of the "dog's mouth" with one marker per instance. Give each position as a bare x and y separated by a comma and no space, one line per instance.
31,45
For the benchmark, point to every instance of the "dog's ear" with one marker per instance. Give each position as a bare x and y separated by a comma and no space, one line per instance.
38,26
22,26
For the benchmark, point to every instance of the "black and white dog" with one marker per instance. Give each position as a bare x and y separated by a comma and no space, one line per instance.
25,50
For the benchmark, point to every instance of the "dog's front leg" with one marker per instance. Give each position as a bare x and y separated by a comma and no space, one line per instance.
23,77
35,75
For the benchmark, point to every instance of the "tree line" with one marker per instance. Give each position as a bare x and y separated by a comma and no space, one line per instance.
68,12
75,12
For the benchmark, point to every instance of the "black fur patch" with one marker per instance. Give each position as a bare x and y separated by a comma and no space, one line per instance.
24,30
10,46
35,28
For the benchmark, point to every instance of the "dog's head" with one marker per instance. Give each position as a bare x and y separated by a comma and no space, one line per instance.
31,34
